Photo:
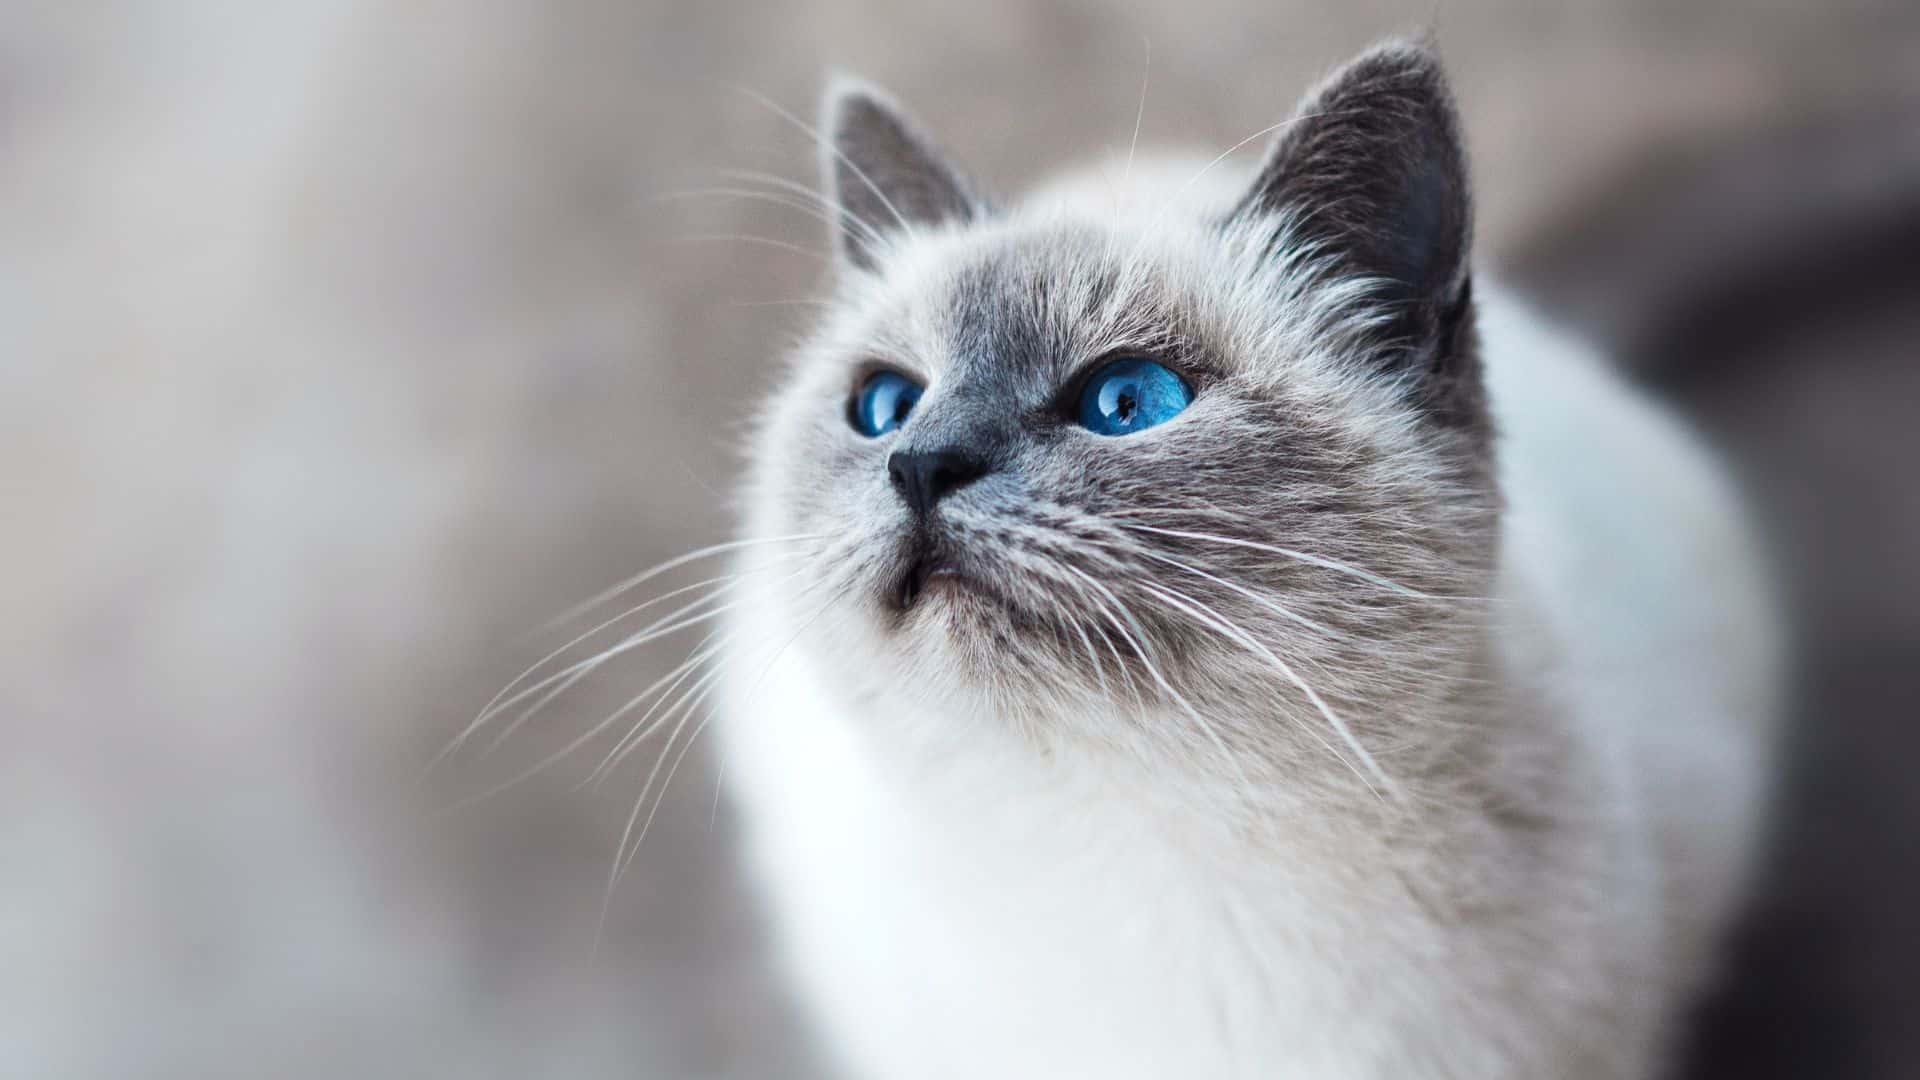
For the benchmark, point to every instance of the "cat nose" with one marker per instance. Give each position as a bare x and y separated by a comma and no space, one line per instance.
923,477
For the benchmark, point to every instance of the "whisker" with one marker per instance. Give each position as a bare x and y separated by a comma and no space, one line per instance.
661,797
1195,609
749,238
1266,602
1299,556
1099,669
1133,689
689,700
643,730
719,777
753,690
660,628
534,709
838,214
558,755
622,857
727,581
804,301
674,563
1173,200
1146,659
702,654
1146,69
1069,617
828,146
770,198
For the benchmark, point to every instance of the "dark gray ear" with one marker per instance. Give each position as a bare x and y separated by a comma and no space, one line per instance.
1372,172
882,174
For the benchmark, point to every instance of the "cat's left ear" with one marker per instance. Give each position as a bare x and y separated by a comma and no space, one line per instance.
1372,174
884,177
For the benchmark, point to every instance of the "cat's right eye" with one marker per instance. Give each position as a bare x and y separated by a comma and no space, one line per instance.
883,403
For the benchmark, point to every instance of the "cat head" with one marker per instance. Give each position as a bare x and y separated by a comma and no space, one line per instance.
1166,442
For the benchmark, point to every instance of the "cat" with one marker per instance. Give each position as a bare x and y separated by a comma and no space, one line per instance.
1192,627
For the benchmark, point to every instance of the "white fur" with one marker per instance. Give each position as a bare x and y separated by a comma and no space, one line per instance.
994,912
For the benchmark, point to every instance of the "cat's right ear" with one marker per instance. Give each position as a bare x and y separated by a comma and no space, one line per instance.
1371,174
883,176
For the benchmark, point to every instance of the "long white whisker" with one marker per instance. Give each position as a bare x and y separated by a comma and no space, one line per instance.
1071,618
726,581
674,563
768,197
1201,612
534,709
1266,602
551,759
804,301
753,690
1134,261
653,632
1119,662
1289,553
1146,659
661,627
1146,70
622,858
1173,200
661,797
749,238
1099,669
827,145
643,730
830,210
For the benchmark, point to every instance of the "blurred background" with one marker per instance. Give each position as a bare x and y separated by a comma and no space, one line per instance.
343,344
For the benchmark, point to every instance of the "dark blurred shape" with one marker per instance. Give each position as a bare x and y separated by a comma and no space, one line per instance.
1700,251
1766,283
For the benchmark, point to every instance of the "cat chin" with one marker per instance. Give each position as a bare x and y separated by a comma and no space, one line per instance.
953,621
963,636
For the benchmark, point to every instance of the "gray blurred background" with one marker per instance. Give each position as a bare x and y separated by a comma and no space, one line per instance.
343,344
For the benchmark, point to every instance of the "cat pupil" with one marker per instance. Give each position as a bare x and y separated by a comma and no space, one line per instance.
883,403
1132,394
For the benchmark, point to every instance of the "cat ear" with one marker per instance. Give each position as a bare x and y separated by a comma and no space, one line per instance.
1372,173
884,177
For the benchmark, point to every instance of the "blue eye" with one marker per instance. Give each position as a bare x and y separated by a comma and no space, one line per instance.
883,403
1131,395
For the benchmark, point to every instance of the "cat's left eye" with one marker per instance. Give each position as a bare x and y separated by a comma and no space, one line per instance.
1132,394
883,403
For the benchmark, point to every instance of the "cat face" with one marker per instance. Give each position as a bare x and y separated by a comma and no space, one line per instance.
1220,452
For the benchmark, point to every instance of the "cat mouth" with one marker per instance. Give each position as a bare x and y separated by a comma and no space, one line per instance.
927,573
966,595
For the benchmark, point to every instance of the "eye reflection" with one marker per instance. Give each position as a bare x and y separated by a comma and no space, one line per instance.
883,402
1132,394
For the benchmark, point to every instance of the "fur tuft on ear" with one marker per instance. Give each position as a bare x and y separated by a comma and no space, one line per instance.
882,174
1372,172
